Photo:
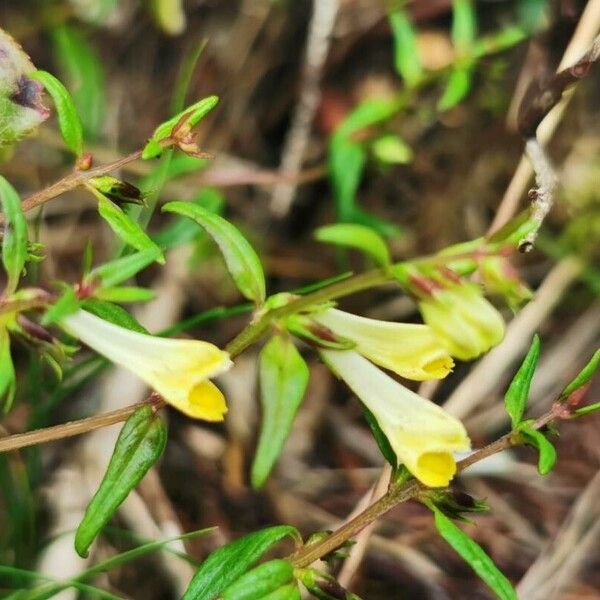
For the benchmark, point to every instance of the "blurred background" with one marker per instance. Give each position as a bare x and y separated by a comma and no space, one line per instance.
429,173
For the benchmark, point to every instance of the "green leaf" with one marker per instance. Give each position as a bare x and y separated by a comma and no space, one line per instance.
283,379
229,563
517,394
113,313
68,118
356,236
347,156
241,259
84,74
121,269
459,84
547,452
464,25
66,305
583,376
125,227
260,581
587,410
474,554
182,230
286,592
14,241
8,379
140,444
392,149
196,112
406,55
125,294
346,165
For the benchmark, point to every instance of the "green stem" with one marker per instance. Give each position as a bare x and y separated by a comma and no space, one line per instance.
256,329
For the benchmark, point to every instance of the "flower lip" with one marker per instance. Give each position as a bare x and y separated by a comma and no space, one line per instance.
177,369
422,434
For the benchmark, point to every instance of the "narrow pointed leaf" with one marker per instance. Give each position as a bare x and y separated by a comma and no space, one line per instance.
8,380
125,227
583,376
14,240
113,313
458,86
68,118
283,380
464,25
356,236
139,446
474,554
84,74
406,55
286,592
241,259
229,563
517,394
125,294
260,581
121,269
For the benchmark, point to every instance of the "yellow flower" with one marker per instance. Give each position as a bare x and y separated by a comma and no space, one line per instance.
410,350
177,369
423,436
466,323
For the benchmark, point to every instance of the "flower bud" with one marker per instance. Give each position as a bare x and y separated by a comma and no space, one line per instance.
466,323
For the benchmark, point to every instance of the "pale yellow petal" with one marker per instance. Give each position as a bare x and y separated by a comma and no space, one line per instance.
422,435
410,350
205,401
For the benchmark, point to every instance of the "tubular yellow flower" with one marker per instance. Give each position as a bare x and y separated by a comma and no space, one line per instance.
410,350
464,320
423,435
177,369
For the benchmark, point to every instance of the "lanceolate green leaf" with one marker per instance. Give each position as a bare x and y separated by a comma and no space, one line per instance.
260,581
356,236
125,294
583,376
125,227
139,446
8,382
113,313
229,563
14,242
121,269
68,118
458,86
517,394
406,56
84,75
464,25
241,259
474,554
283,380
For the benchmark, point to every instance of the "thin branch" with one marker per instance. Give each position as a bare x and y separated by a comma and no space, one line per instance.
59,432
